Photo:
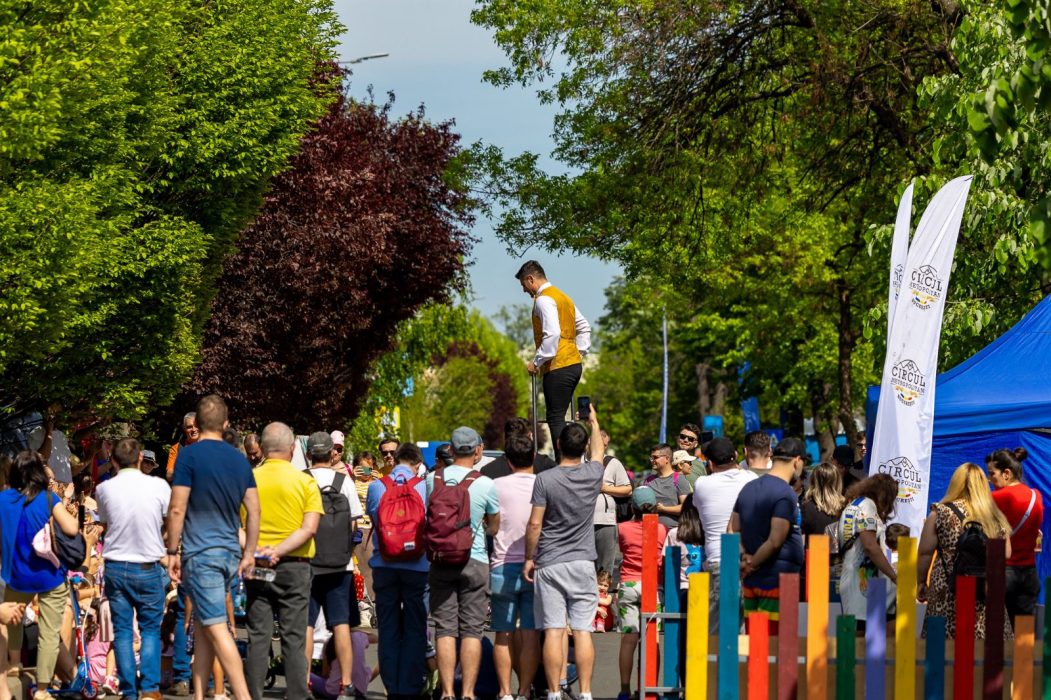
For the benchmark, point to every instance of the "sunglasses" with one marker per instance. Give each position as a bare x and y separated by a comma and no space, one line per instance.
387,453
687,438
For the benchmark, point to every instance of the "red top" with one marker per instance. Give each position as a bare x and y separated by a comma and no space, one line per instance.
1013,501
629,535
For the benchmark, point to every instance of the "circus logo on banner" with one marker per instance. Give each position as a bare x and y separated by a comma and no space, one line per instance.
903,430
925,287
896,277
909,382
909,479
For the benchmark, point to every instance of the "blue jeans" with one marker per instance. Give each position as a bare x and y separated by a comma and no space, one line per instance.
511,604
402,621
136,591
180,658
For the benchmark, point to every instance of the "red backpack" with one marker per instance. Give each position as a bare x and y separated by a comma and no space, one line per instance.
449,534
400,518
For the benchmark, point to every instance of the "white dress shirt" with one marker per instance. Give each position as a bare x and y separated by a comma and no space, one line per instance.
546,310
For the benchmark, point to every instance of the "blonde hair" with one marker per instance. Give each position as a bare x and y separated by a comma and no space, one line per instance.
970,485
825,489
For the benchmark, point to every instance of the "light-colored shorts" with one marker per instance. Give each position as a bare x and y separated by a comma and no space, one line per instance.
566,590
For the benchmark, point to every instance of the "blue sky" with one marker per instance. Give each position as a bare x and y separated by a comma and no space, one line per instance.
436,58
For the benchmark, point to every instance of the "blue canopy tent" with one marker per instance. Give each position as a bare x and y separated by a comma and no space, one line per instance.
1000,397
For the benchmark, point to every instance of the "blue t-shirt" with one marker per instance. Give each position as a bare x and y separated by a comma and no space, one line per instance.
218,476
761,500
484,501
399,474
23,570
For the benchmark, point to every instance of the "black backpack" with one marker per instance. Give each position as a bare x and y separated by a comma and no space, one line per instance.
970,560
333,544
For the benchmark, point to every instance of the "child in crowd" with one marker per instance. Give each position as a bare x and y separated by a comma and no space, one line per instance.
603,618
629,596
689,537
894,532
328,684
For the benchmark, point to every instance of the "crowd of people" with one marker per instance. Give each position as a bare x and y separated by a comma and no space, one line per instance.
542,552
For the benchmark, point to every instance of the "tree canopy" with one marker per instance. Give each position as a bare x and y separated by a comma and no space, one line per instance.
742,161
136,139
367,226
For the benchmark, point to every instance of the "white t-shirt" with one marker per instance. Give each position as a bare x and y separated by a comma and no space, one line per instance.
715,496
515,492
325,476
606,507
133,506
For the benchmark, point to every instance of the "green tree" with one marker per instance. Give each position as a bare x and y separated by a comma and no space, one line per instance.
748,156
136,139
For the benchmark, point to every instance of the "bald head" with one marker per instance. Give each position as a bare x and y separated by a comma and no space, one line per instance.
277,441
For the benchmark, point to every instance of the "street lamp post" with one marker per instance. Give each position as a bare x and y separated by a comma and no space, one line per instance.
360,59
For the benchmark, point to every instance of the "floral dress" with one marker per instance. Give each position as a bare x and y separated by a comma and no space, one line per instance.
941,597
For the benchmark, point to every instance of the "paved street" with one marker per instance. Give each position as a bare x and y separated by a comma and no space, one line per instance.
606,683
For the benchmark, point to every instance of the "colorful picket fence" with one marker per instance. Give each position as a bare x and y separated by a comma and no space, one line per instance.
759,664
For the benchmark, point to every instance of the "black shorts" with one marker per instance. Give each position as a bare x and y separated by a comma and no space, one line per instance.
335,594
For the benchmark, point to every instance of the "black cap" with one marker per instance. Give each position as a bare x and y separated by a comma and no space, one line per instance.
843,455
790,448
720,451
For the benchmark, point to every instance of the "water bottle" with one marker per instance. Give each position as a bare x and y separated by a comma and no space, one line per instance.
262,574
240,599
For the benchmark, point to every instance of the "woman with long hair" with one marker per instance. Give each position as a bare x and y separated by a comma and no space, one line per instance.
862,542
823,499
966,500
1024,509
25,508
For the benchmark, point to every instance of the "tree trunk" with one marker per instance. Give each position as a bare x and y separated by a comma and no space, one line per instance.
703,398
824,422
719,401
847,342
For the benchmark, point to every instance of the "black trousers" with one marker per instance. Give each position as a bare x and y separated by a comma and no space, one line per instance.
1021,591
559,385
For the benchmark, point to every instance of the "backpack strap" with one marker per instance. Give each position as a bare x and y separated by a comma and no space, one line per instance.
959,513
337,481
469,479
1028,511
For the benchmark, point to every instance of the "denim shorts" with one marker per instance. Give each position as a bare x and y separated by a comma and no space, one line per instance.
334,593
207,577
512,599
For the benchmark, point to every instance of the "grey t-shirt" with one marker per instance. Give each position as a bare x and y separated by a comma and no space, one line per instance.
568,496
669,493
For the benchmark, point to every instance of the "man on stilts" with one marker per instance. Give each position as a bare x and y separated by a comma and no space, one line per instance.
562,336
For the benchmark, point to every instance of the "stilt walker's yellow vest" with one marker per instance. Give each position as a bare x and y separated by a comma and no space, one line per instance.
567,354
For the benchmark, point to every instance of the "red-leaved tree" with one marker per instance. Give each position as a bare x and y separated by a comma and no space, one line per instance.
366,227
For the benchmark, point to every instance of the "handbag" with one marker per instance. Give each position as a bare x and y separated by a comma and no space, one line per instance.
70,550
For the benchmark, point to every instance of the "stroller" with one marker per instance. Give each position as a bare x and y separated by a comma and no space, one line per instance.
81,686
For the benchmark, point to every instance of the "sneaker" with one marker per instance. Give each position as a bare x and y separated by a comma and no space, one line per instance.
110,686
179,689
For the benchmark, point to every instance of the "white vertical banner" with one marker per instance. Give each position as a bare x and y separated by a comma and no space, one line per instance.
899,252
904,429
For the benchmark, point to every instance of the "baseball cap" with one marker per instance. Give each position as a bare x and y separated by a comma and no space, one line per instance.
338,439
149,456
720,451
843,455
464,440
319,443
681,456
790,448
642,497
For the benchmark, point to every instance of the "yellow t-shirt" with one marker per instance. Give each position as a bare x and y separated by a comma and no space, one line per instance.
285,496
